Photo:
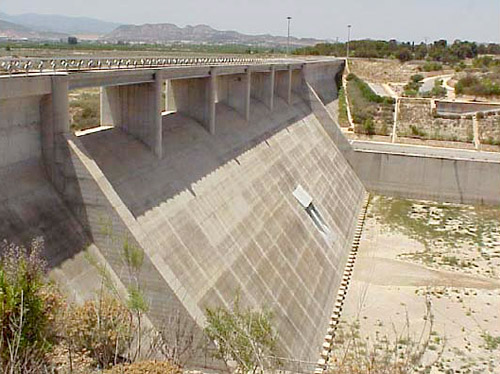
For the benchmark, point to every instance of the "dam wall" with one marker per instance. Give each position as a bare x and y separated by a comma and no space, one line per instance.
238,188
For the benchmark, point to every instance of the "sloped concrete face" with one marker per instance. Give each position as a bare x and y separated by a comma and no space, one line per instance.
221,218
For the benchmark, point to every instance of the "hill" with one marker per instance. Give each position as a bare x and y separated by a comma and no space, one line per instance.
15,31
60,24
170,33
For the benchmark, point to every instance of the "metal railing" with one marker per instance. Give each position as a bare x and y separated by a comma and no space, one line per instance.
40,65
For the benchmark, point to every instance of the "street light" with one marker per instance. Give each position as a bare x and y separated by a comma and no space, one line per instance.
288,38
348,40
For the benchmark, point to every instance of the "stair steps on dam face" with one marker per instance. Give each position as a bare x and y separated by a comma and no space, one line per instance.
328,345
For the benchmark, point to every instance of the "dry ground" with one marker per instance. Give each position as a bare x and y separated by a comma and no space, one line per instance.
413,251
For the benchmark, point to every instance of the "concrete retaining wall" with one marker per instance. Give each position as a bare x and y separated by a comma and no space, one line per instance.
408,172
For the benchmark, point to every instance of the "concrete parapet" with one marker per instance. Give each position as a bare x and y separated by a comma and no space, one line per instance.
136,109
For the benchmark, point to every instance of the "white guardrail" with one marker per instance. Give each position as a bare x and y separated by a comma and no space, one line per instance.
40,65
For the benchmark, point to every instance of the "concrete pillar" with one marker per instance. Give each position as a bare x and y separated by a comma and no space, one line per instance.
289,86
248,97
157,125
136,109
54,115
262,87
271,88
212,96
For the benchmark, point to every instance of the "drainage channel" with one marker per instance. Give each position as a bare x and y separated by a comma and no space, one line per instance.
327,347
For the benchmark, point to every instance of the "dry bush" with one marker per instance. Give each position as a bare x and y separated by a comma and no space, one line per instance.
101,327
146,367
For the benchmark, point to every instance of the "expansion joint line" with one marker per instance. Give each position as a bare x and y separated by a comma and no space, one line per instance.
322,365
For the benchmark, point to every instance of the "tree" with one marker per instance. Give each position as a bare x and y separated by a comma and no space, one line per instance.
404,55
245,336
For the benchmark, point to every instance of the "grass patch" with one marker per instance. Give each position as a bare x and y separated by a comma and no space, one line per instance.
85,109
491,342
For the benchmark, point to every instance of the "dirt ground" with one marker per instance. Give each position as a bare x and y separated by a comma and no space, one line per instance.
449,255
389,71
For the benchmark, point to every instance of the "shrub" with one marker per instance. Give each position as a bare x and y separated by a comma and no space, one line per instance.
368,127
102,327
242,335
28,309
415,131
145,367
402,353
432,66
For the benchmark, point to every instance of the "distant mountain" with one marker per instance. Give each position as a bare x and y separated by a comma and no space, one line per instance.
60,24
14,31
169,33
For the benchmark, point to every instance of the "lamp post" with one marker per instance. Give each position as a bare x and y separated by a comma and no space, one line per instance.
348,40
288,38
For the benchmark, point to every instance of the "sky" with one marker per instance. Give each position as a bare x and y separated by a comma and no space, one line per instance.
404,20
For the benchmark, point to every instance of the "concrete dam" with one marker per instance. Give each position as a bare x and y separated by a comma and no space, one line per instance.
243,184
